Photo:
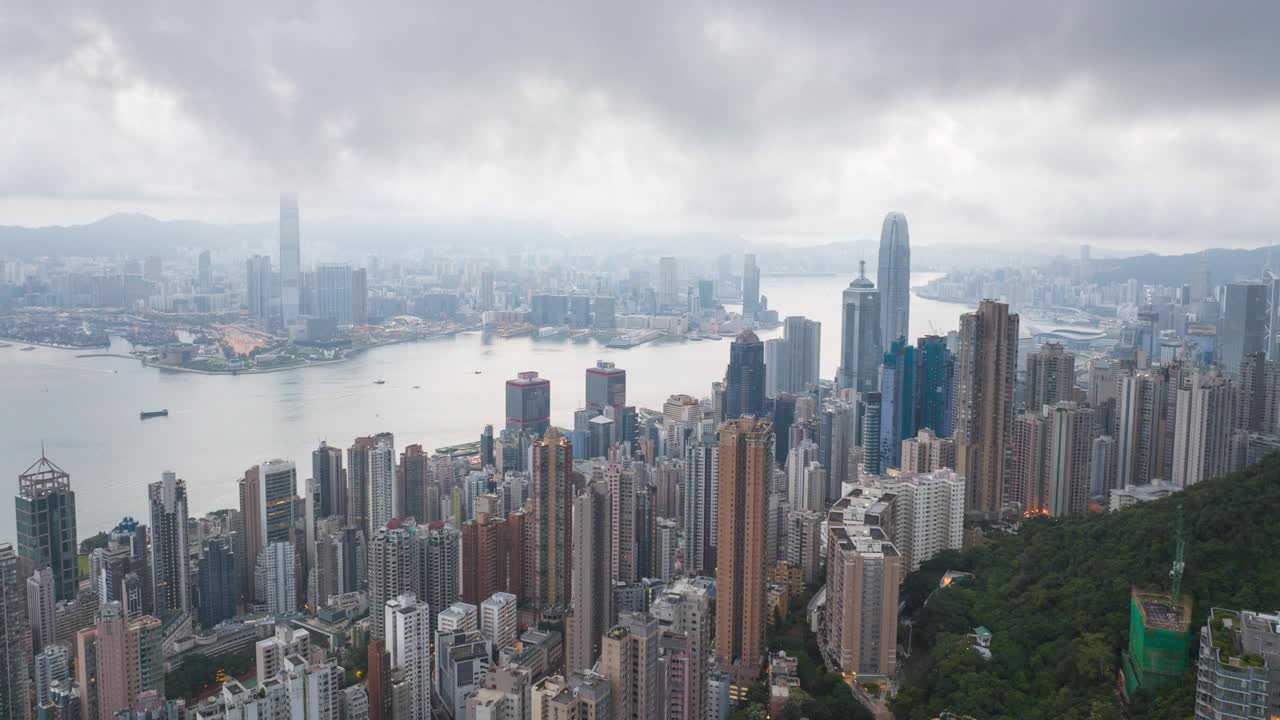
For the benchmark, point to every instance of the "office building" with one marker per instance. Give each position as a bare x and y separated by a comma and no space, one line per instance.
50,666
129,658
529,404
792,361
258,284
746,462
750,287
14,698
277,496
498,620
290,259
334,292
219,586
552,490
668,284
927,452
592,578
326,469
870,411
1050,377
916,392
1203,428
629,660
744,378
170,568
863,570
359,297
1238,666
1244,323
45,509
893,277
860,336
408,643
606,386
463,659
985,373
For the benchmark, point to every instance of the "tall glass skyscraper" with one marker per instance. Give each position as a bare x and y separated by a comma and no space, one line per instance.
744,379
290,258
860,345
893,276
45,508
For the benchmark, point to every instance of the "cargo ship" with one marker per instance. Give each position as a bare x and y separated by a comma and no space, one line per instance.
148,414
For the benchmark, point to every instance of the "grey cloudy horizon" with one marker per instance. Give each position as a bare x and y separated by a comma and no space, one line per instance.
1143,125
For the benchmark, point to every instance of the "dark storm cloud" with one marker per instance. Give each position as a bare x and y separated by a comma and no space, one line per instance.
779,117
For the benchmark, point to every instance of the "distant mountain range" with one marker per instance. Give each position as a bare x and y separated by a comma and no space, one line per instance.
138,235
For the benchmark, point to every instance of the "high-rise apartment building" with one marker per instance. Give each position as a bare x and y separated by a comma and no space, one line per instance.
592,576
333,292
499,623
863,569
701,506
1052,455
41,590
408,641
441,574
485,560
45,509
746,463
621,481
860,336
552,491
893,276
529,404
14,698
395,569
1203,426
928,515
804,543
359,296
278,564
170,568
1143,420
927,452
1050,377
684,608
668,284
744,378
629,659
985,373
1238,667
129,658
290,259
382,482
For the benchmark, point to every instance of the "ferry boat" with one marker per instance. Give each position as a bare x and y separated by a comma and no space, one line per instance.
550,332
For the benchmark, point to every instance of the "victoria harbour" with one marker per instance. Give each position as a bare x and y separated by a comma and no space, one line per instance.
218,425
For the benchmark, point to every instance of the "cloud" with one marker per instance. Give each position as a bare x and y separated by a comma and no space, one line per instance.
1143,124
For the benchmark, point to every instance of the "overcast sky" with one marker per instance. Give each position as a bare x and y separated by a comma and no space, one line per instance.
1144,125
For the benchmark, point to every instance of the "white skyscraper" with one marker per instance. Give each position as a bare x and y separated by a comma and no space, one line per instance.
928,515
668,284
282,588
382,482
408,625
498,621
290,258
893,276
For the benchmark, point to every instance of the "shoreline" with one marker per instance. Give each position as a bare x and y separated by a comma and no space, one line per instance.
352,354
82,348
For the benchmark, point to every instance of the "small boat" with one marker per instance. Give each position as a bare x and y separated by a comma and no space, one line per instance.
415,387
148,414
28,348
379,382
476,372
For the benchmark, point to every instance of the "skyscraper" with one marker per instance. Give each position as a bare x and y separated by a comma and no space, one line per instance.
744,378
1050,377
668,284
333,292
219,586
792,362
326,468
1142,419
290,259
926,452
440,576
1068,453
257,271
360,296
629,659
40,609
928,515
750,287
860,336
606,386
746,464
1202,430
14,702
395,567
701,503
382,483
277,494
408,624
1244,323
985,374
893,276
204,271
592,580
130,658
863,570
280,563
552,490
46,513
529,403
170,569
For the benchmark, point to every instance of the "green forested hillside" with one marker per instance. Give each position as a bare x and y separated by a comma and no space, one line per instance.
1056,597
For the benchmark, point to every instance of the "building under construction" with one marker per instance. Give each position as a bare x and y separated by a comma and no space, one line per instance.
1159,641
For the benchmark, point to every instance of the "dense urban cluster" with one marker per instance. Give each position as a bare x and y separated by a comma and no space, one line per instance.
718,556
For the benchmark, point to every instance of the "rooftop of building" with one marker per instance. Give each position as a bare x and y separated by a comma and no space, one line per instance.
1245,638
1161,612
854,521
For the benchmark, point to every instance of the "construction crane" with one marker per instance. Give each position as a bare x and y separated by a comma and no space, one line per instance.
1175,574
